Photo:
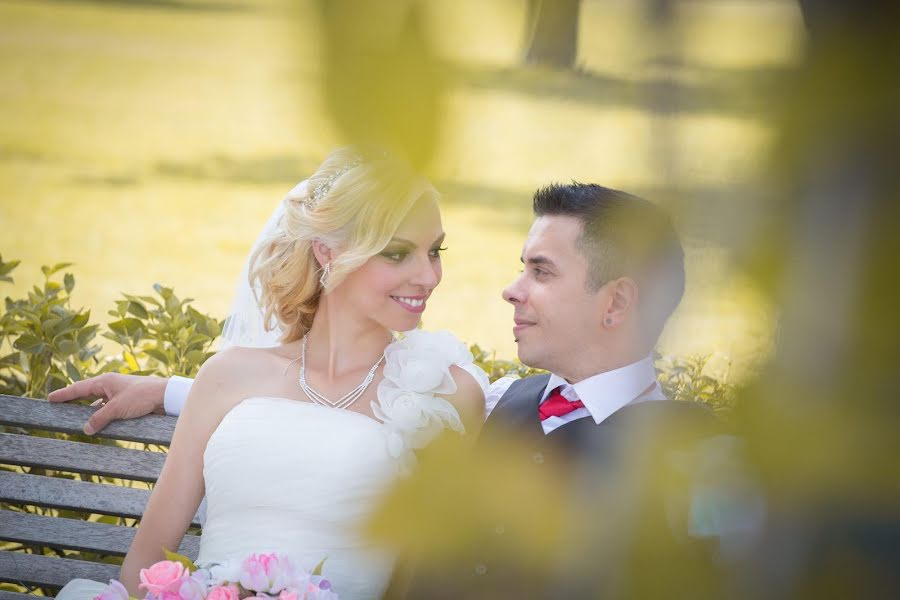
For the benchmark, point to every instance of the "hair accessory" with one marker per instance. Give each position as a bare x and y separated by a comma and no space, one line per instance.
323,188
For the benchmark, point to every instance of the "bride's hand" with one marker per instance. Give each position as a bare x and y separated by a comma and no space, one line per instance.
120,397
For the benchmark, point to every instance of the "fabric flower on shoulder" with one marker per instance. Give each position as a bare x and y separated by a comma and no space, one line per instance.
416,370
438,342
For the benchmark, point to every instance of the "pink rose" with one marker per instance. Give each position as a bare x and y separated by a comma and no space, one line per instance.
164,576
223,592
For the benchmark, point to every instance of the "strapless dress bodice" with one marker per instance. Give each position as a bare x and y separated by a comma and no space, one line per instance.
298,479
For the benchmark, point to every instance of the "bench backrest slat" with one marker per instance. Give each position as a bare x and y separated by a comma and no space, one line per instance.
70,418
37,569
15,596
73,534
69,494
78,457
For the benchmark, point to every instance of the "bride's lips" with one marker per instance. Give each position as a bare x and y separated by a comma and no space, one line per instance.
413,304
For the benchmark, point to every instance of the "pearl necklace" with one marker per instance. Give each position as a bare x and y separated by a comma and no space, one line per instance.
345,400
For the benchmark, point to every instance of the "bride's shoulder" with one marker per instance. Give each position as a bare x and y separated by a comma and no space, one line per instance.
441,345
228,370
440,349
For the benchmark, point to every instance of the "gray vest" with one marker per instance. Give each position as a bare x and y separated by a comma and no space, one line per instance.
517,413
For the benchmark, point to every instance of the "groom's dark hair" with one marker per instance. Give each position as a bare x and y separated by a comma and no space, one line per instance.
623,235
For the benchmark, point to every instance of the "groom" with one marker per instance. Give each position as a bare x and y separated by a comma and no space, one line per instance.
603,271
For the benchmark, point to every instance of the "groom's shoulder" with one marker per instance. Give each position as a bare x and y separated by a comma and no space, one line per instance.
532,382
524,387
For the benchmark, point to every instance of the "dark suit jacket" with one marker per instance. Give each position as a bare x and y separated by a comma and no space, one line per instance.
618,520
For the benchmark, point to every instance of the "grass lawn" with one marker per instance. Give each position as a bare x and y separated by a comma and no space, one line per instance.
148,141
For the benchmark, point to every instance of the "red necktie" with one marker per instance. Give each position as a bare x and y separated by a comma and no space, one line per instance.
556,405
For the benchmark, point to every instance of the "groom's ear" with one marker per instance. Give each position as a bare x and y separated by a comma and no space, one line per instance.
323,253
622,299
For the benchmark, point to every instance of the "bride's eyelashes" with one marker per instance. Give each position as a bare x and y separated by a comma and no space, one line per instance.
399,256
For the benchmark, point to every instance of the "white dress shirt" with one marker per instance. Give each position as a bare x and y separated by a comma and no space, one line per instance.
177,390
602,394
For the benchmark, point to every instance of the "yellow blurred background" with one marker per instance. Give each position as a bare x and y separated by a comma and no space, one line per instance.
148,141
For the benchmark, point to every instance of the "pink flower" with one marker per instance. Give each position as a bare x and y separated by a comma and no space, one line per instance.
223,592
164,576
267,573
114,591
287,595
194,586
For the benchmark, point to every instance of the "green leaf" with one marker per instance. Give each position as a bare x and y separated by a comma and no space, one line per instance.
29,343
7,268
69,282
317,571
173,306
158,355
137,309
131,361
52,289
87,353
56,381
81,319
196,357
68,347
87,334
10,360
163,291
214,328
51,325
128,326
180,558
48,271
149,300
72,371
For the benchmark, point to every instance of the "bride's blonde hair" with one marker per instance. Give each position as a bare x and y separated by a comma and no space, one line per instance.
353,204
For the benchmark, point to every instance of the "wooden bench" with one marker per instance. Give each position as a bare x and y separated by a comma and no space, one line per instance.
28,450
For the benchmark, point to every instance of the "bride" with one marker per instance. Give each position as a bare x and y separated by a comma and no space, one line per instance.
292,445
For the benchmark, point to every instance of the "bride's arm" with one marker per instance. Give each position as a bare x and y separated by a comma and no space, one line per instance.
179,489
468,401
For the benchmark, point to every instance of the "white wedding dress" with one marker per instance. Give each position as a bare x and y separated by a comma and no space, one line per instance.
301,479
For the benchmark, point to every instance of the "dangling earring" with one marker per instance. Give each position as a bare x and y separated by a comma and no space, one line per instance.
326,271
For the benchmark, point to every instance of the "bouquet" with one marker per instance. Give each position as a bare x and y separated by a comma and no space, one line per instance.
258,576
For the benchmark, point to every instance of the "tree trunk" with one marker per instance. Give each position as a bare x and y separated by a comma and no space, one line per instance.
553,39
